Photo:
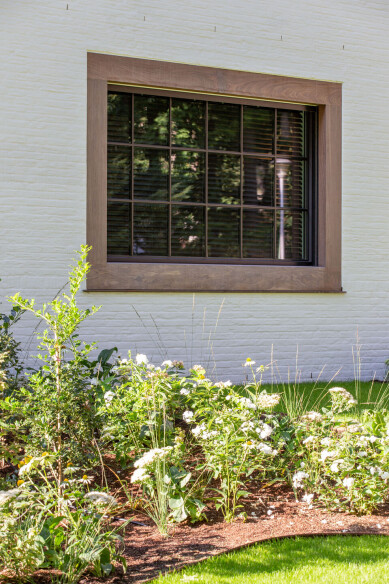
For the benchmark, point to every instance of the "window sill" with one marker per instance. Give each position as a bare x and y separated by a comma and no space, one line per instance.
159,277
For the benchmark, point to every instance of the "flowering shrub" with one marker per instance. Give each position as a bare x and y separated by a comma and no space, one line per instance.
346,465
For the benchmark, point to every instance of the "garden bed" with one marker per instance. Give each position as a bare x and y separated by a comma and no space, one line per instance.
148,554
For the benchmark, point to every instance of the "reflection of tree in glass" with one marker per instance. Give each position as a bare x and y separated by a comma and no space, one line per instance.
223,232
188,176
224,126
224,179
151,119
118,171
187,231
118,228
151,174
188,123
119,125
258,233
150,230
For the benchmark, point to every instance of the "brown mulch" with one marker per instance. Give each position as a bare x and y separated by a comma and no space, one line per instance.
148,554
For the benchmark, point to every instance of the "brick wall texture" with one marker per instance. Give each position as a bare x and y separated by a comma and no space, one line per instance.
44,48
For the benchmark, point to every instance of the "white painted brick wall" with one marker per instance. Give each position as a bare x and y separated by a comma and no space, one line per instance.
43,170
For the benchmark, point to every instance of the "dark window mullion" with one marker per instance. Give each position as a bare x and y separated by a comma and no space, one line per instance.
241,184
132,177
206,179
169,238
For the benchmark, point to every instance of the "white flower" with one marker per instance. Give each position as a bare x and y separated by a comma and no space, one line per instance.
309,439
266,431
354,428
168,364
372,439
327,454
150,456
223,384
348,482
383,474
298,479
184,391
267,400
261,369
199,369
108,397
94,381
265,448
313,417
249,362
198,429
247,403
141,359
139,475
187,416
302,464
100,498
308,498
362,454
335,465
372,470
325,441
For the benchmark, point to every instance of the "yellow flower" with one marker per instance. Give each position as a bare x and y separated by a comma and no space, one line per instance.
66,480
69,464
20,483
45,454
84,478
249,442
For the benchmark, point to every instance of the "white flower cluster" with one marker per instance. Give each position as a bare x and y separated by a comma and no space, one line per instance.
341,398
202,432
247,403
267,401
141,474
141,359
223,384
327,454
187,416
167,364
298,479
100,498
199,369
312,417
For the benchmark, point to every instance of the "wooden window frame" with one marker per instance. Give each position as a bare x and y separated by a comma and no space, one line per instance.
106,70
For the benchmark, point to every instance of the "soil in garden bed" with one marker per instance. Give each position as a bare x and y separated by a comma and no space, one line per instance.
272,512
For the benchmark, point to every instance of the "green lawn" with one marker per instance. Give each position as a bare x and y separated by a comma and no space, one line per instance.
314,396
330,560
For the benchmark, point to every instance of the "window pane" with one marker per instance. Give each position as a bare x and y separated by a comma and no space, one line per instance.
119,117
258,181
291,238
188,123
151,123
224,179
223,232
151,174
118,228
150,230
258,129
290,133
188,176
258,233
290,183
187,231
118,172
224,126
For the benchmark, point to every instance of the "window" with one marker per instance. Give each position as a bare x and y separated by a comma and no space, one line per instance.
206,179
